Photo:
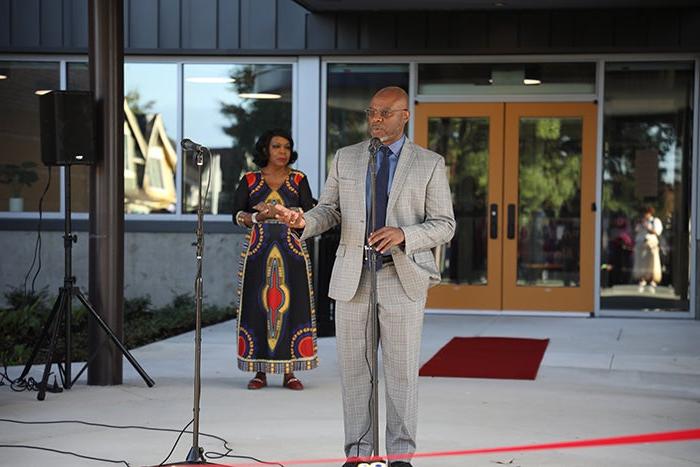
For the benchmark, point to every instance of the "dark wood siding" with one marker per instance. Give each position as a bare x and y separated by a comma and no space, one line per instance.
282,27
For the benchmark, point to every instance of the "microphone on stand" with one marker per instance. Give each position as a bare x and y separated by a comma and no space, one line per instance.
189,145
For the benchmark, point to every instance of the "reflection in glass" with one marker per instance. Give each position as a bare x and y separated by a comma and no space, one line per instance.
549,191
505,78
150,157
647,186
150,123
464,143
227,107
78,79
350,88
23,176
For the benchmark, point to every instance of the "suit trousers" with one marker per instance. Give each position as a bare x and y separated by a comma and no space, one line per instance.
400,329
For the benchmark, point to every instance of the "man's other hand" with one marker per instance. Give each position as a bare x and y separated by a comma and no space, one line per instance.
385,238
291,217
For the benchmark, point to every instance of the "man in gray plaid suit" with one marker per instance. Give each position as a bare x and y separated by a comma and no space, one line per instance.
419,217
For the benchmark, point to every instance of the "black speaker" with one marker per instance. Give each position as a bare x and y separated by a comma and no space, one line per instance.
67,128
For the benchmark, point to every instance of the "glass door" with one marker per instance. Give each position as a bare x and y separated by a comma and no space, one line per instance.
470,137
523,185
549,195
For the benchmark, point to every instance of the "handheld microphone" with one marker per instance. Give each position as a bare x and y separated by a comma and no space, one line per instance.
374,145
189,145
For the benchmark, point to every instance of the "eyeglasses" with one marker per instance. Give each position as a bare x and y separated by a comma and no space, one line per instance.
384,113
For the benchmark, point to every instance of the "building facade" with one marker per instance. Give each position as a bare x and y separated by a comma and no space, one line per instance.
570,137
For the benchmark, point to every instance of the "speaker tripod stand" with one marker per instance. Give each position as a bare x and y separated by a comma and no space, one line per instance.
62,312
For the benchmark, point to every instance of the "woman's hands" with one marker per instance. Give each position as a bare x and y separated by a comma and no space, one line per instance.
264,211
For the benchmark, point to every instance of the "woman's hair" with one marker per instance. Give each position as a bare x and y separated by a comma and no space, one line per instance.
261,155
648,210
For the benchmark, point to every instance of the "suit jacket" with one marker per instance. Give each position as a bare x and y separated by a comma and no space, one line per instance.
419,203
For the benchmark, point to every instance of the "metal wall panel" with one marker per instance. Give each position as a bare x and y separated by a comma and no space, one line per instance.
593,29
258,24
143,24
347,36
199,24
75,23
25,30
321,32
291,26
664,29
630,28
690,28
267,26
503,31
411,31
51,23
378,31
562,27
438,31
534,30
229,24
5,23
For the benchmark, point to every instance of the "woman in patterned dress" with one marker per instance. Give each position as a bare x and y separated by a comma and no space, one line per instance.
276,317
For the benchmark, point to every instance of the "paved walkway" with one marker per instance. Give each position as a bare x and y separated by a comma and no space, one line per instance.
600,377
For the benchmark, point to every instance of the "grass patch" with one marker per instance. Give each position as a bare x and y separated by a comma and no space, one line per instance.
23,320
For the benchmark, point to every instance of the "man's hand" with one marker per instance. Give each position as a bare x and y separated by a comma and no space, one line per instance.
291,217
385,238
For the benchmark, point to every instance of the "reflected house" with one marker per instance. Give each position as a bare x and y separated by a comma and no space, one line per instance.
149,164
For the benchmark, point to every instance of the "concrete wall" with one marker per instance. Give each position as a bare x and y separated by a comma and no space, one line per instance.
160,265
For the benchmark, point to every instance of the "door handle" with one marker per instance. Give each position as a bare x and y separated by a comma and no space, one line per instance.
511,221
493,214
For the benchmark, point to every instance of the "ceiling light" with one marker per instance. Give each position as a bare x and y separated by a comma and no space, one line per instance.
531,82
209,80
41,92
3,76
259,95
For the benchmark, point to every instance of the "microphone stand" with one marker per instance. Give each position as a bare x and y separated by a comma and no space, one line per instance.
372,258
196,453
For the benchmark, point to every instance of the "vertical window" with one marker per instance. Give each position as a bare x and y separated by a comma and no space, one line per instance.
227,107
150,125
22,174
647,177
350,88
78,79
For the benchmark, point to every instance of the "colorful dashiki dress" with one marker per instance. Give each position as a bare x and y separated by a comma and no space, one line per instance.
276,319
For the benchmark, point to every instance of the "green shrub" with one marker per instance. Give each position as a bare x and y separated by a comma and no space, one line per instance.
22,322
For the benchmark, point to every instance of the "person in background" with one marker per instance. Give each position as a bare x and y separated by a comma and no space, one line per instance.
276,316
414,215
647,257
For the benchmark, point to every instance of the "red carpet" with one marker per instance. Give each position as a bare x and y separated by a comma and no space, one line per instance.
487,357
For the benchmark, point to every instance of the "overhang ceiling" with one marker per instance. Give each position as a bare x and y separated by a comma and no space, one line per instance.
320,6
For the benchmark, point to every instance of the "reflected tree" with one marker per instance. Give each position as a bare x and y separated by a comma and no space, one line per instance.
248,120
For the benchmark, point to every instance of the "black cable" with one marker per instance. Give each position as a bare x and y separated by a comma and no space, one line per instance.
371,386
139,427
19,384
177,441
71,453
37,244
218,455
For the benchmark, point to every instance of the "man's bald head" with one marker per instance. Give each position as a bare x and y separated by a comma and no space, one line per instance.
394,93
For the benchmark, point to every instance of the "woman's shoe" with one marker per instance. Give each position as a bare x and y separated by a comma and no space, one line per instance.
258,382
292,382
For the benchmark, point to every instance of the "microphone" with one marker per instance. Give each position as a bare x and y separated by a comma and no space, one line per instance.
189,145
374,145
